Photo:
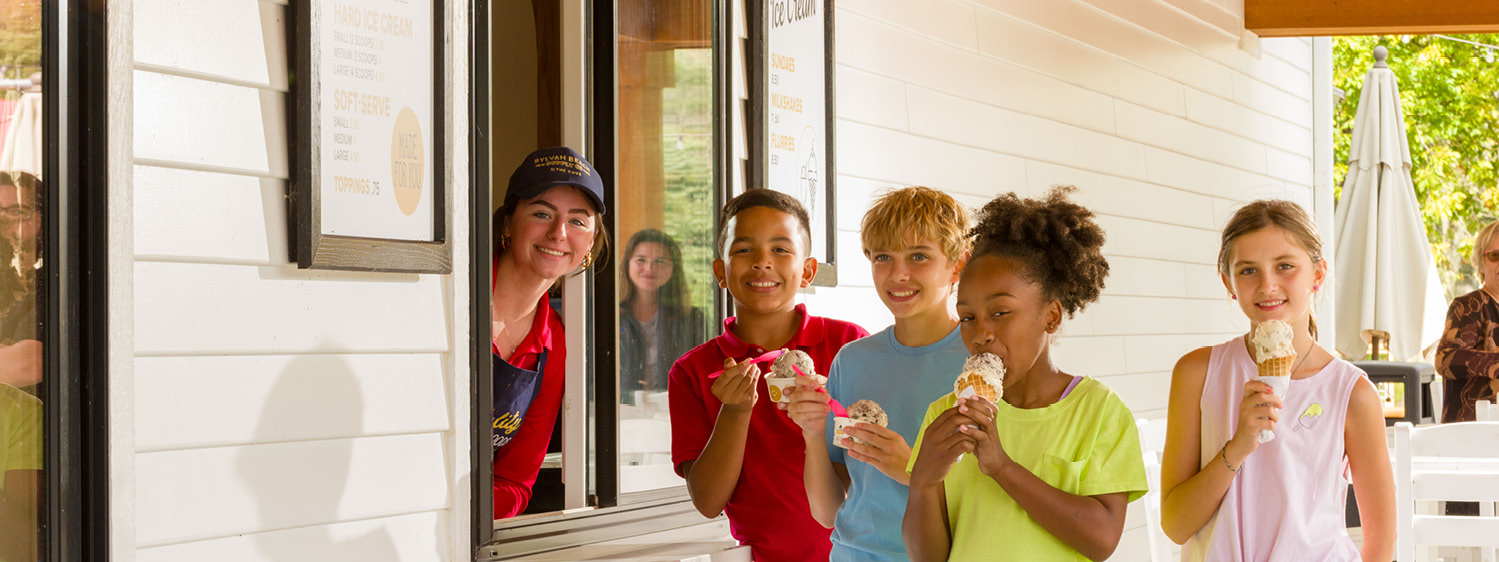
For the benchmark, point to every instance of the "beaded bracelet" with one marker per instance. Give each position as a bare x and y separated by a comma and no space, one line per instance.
1223,453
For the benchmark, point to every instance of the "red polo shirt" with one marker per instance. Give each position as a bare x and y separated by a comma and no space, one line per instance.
517,463
768,509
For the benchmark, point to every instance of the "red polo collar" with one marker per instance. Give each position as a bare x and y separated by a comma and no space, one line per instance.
808,333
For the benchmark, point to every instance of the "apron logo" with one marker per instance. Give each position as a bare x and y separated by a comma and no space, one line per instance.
508,423
1309,417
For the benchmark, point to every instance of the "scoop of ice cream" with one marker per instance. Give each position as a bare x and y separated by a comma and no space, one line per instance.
868,411
984,375
1272,339
782,365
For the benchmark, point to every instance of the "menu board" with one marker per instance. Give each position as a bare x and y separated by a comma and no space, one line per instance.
796,106
375,118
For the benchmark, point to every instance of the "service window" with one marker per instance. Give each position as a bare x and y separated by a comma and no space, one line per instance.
667,297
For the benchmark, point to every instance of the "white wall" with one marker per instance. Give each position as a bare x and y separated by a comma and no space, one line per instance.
270,413
1157,110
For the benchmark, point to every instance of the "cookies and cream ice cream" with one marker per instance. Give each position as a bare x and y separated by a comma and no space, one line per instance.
782,377
863,411
983,375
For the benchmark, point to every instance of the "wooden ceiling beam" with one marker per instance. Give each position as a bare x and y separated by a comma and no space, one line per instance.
1287,18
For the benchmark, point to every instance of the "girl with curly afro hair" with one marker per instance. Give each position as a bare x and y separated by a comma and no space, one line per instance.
1044,473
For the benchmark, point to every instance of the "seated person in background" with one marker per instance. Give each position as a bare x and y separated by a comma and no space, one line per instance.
20,473
20,349
657,322
1468,355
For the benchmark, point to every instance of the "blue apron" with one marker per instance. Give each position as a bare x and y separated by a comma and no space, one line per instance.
514,391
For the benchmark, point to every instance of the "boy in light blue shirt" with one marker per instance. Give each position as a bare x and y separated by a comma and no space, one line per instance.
916,241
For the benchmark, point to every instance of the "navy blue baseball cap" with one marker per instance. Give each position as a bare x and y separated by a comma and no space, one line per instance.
550,167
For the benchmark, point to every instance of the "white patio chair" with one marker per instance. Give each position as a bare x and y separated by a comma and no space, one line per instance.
1451,462
1487,411
1152,443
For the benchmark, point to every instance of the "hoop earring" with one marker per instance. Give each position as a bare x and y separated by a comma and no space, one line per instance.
504,241
587,260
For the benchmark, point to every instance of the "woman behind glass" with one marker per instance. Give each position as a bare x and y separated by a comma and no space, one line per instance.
657,322
1468,355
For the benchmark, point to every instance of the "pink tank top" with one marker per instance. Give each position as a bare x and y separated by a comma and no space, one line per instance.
1287,502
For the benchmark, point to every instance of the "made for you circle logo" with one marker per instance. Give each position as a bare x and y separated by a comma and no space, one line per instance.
407,163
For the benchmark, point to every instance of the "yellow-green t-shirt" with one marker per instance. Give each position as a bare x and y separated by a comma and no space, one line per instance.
21,428
1084,444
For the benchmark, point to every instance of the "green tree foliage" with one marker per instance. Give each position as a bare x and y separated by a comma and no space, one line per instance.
687,150
1449,92
20,37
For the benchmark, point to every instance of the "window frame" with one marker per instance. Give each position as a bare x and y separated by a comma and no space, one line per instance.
611,515
75,387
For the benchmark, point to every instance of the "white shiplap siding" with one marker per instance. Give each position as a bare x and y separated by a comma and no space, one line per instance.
279,414
1166,114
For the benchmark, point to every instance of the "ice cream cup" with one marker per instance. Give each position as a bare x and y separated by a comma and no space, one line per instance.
780,388
840,437
1278,387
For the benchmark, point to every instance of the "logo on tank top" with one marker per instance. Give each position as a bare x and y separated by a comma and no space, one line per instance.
1308,418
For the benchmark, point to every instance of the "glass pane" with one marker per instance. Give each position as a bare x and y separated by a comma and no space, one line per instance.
21,149
665,221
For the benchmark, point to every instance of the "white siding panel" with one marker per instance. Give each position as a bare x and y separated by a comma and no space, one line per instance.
905,159
1209,178
266,399
192,309
1290,50
1110,195
1067,59
851,304
853,267
1141,391
1136,45
1293,166
210,125
1162,241
230,39
191,215
1230,117
1160,353
983,79
1137,277
1132,316
1264,98
940,115
389,539
1089,355
949,21
1203,281
870,98
219,492
1183,136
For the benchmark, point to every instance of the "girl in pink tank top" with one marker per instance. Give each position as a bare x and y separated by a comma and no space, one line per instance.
1226,495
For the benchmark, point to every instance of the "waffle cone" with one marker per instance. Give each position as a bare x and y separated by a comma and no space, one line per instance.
1277,366
980,388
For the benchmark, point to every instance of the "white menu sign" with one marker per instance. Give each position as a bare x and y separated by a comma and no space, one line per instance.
796,113
375,118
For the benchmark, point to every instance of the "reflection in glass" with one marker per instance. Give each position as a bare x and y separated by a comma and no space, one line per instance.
657,322
666,289
21,202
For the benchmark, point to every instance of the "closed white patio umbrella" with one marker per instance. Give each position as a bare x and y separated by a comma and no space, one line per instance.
1385,276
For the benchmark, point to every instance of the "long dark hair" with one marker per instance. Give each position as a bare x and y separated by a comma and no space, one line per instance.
675,295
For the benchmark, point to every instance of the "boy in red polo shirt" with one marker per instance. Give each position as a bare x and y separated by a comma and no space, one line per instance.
738,452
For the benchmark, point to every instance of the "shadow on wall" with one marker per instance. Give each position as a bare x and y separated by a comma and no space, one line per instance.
304,484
